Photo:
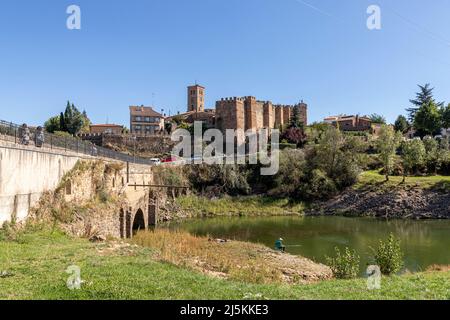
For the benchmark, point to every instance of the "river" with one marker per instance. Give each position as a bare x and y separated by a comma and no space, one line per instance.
424,243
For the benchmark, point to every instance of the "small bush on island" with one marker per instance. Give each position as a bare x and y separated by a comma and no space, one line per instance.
389,256
344,265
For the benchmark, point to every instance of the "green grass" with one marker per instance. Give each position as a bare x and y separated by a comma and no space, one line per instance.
36,265
239,206
373,178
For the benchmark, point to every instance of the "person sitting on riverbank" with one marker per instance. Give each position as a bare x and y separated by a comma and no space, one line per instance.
279,246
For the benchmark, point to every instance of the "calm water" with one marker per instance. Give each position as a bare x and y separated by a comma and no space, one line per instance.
423,242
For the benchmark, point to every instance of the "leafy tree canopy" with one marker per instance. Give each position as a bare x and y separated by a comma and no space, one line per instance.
424,96
376,118
428,119
401,124
71,121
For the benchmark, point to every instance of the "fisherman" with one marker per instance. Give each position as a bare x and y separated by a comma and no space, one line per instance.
279,246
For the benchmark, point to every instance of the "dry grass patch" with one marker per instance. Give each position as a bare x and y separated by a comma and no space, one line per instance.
438,268
235,260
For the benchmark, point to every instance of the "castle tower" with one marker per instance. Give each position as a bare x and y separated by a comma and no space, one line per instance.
230,114
196,98
251,113
303,112
279,119
287,113
269,115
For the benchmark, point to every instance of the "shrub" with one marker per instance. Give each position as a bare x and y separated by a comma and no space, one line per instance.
319,186
344,265
8,231
389,256
290,176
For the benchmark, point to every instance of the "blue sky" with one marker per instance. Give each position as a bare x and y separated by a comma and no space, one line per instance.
144,52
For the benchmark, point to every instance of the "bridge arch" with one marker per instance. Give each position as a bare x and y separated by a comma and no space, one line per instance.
139,221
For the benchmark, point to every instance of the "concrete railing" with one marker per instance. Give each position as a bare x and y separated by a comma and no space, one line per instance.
13,133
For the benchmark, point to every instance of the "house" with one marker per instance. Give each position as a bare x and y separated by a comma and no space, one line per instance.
105,129
145,120
350,123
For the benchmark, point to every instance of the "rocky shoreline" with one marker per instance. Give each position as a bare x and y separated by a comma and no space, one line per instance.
405,203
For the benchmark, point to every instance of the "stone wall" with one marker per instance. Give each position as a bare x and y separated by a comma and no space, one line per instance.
25,174
268,115
230,114
149,146
279,116
250,114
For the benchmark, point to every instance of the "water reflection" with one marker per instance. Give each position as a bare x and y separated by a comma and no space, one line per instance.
424,242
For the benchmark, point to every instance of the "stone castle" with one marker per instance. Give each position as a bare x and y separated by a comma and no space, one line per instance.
239,113
248,113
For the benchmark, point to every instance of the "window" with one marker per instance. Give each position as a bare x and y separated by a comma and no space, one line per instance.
138,118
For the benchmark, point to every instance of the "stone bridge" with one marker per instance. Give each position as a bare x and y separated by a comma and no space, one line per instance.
141,212
27,172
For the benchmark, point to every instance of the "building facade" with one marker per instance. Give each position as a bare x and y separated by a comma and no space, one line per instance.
145,121
105,129
350,123
196,99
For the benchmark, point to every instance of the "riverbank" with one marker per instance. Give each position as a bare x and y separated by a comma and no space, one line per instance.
33,267
418,198
230,259
243,206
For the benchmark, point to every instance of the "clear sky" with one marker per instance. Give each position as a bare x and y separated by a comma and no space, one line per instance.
148,51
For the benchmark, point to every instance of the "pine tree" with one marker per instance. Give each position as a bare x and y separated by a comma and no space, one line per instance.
295,120
401,124
376,118
62,123
424,96
427,120
446,117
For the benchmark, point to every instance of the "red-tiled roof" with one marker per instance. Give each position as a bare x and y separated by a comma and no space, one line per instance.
106,125
144,111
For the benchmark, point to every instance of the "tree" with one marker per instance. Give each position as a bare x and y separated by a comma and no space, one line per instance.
424,96
62,123
294,135
73,119
413,155
329,150
376,118
295,120
52,124
445,112
432,158
86,128
401,124
428,119
387,144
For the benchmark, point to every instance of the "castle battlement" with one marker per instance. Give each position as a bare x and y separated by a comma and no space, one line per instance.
249,113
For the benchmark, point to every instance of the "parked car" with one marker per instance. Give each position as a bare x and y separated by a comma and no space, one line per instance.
169,159
155,161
